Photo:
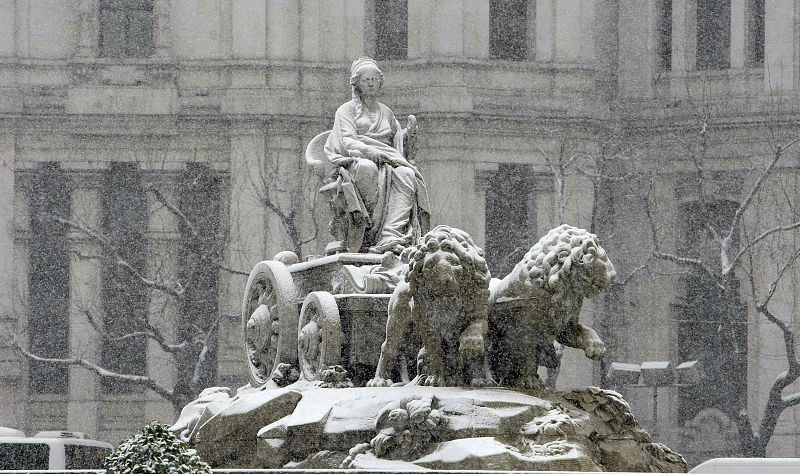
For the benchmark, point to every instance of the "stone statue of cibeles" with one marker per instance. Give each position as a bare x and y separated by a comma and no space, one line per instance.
378,196
428,296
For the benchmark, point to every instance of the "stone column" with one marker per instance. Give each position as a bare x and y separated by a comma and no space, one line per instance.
7,155
476,29
88,29
568,30
684,39
438,29
635,71
82,407
7,29
10,365
419,13
283,29
779,46
332,30
483,176
738,33
247,221
162,34
545,30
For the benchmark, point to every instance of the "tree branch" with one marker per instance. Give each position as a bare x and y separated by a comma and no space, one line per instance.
177,291
174,210
759,183
81,362
758,239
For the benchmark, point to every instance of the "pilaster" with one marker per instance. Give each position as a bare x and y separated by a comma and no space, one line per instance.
84,296
779,46
88,29
162,34
283,29
738,33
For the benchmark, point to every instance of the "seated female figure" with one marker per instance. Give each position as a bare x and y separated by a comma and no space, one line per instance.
367,143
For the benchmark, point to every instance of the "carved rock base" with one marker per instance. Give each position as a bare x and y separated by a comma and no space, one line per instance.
415,427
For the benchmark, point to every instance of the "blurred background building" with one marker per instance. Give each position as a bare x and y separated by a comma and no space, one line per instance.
169,134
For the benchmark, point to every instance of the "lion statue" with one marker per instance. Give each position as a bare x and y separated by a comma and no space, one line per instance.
539,302
445,294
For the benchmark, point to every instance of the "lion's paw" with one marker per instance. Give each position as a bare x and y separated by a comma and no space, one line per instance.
595,349
432,381
379,382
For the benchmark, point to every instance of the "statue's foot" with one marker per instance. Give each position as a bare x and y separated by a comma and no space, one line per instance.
379,382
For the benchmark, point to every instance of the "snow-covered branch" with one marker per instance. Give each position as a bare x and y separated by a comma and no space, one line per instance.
762,178
175,289
82,362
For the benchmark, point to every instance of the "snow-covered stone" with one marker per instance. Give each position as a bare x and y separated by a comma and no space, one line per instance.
416,427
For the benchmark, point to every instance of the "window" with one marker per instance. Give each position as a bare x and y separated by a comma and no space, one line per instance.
79,456
199,256
712,327
665,36
755,30
391,29
713,34
508,29
19,456
507,218
48,298
126,28
124,297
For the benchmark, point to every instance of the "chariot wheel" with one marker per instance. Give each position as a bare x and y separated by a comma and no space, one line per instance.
269,320
319,335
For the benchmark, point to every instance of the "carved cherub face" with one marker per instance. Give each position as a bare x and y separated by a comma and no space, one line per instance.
369,83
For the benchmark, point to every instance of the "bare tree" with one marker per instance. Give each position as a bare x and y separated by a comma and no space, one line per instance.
287,191
744,242
171,305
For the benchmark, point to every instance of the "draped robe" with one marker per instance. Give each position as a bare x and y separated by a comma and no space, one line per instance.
395,198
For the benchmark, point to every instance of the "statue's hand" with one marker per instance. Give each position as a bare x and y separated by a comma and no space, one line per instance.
411,125
373,155
344,161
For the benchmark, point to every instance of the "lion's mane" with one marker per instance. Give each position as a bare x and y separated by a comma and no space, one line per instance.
475,277
548,264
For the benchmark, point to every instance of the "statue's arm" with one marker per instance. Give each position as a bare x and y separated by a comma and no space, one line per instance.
405,138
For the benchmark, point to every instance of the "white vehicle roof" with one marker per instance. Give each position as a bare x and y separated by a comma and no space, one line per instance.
11,433
749,466
60,434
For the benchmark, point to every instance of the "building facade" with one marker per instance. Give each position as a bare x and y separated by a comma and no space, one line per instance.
211,103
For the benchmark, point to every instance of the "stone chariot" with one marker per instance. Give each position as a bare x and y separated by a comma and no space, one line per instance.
325,338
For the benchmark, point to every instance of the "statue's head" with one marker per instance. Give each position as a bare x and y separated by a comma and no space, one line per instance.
366,79
446,261
568,257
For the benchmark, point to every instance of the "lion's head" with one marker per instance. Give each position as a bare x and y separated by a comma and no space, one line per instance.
567,258
446,262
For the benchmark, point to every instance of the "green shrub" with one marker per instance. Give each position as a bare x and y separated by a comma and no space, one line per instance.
155,450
